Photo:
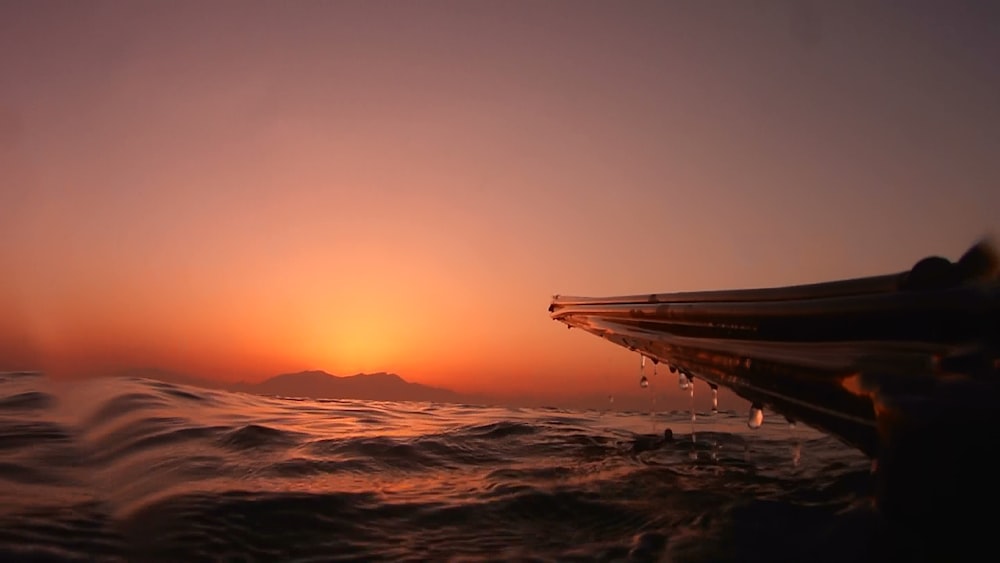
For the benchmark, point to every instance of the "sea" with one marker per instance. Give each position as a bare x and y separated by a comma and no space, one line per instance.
130,469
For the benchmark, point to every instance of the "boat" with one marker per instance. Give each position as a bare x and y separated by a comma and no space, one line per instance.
888,364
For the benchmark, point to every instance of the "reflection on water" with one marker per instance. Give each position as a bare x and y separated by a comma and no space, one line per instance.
144,470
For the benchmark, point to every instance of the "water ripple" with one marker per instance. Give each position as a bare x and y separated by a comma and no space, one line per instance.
136,469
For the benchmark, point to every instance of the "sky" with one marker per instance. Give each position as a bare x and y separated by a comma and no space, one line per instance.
239,189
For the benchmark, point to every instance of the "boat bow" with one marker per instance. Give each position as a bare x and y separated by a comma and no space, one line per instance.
841,356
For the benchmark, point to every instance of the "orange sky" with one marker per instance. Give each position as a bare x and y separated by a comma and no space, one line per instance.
238,189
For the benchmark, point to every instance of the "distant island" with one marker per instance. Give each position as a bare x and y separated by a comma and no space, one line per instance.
366,386
318,384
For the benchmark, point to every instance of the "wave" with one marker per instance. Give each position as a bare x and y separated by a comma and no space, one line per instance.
137,469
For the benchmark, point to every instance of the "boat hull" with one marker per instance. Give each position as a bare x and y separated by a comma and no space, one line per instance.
842,356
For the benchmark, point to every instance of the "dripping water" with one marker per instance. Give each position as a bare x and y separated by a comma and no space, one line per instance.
691,402
690,387
715,410
652,402
643,382
756,417
796,443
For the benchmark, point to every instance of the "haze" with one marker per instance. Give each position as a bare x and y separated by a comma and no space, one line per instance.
239,189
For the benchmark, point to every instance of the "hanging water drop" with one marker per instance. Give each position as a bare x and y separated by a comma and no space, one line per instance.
643,382
715,398
756,418
683,381
797,446
691,394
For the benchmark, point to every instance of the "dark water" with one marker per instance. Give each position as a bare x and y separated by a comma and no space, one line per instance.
140,470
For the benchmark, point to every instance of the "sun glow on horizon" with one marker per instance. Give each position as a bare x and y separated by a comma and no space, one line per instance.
235,194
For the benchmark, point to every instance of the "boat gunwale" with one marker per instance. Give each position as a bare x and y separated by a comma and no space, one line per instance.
887,283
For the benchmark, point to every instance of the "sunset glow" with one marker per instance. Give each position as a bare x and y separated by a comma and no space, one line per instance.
236,190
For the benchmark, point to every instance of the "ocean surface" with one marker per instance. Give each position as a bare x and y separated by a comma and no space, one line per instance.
141,470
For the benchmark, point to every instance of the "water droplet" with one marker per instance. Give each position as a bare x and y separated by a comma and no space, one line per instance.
673,368
643,382
683,382
694,416
691,394
715,399
756,418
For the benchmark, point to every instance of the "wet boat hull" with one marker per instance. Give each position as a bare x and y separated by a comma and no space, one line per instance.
836,355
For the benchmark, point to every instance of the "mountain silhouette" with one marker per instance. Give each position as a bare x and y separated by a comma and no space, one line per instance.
367,386
382,386
315,384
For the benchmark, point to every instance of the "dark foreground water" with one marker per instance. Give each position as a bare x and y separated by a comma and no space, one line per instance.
140,470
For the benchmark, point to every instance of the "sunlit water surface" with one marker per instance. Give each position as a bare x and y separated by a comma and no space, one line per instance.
134,469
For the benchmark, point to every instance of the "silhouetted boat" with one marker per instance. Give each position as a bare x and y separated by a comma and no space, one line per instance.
888,363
